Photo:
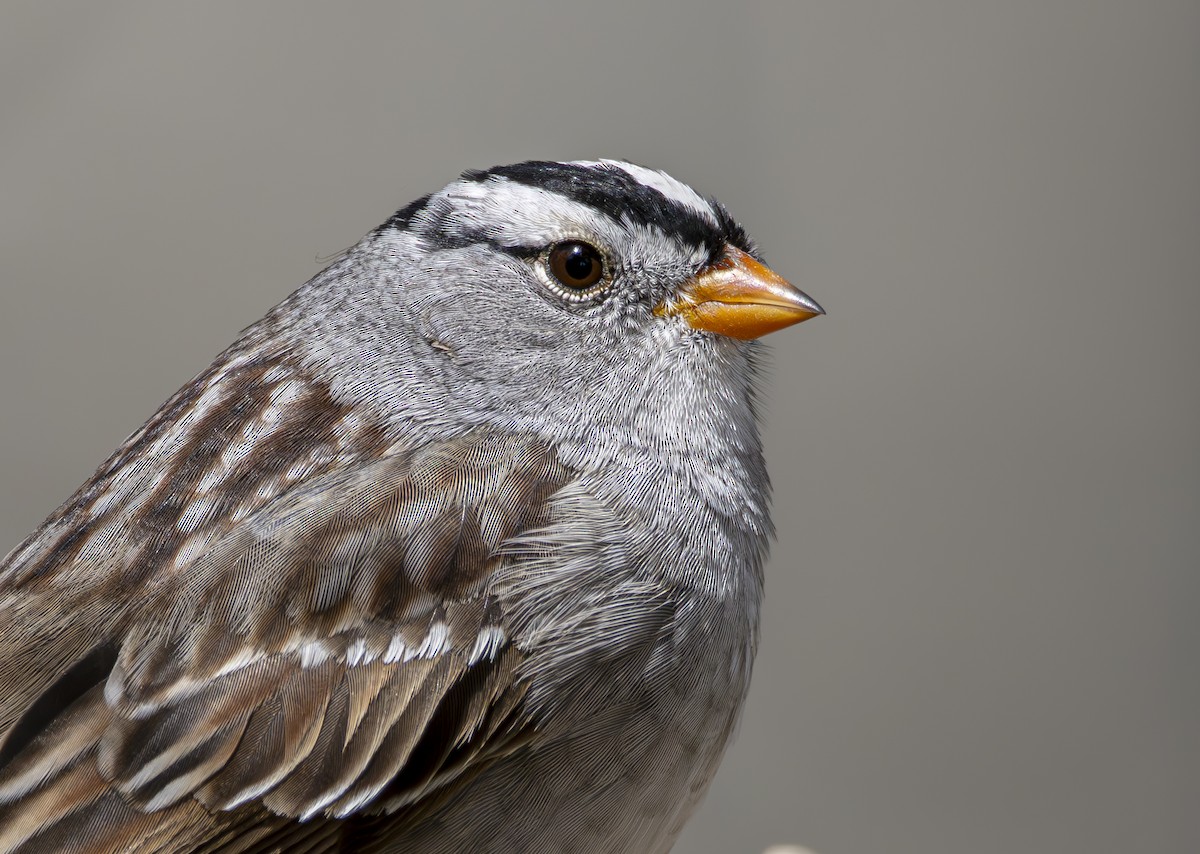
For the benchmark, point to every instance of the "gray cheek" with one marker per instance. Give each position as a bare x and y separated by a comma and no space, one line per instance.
438,338
493,350
504,312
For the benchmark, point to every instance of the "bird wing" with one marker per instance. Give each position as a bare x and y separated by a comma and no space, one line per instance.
340,648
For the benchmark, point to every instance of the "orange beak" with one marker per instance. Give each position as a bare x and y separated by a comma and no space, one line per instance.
739,297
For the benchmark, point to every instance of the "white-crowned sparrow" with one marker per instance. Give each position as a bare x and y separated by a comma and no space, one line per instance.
458,549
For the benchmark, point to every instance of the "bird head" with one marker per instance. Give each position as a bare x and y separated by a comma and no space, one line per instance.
564,298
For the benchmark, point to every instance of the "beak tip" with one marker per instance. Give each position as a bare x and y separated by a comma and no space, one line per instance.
741,298
806,305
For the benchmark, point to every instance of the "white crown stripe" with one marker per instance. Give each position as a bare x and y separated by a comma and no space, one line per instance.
674,190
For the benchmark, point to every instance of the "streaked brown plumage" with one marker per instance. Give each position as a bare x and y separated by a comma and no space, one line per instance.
302,610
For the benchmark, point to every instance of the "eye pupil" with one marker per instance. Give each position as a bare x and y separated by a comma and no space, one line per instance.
579,263
576,264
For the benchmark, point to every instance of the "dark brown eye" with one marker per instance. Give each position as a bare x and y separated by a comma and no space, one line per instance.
576,265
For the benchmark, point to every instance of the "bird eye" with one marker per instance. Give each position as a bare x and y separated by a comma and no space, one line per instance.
576,265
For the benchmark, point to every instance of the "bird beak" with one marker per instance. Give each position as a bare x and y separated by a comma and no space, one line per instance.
739,297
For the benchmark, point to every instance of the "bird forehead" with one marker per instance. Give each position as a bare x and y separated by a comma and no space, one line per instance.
672,189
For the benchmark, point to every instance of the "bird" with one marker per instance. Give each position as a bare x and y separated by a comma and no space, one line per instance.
459,548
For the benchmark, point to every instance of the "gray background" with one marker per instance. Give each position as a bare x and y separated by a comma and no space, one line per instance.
981,631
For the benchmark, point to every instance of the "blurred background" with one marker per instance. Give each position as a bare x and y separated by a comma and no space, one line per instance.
981,631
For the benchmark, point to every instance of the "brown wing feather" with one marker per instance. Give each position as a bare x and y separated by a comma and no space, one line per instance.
337,650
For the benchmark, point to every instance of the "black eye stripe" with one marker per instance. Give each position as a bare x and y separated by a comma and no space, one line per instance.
400,219
609,190
619,195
